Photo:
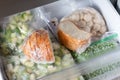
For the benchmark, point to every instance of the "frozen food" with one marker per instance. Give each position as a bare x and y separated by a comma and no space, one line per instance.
14,34
97,48
38,47
19,67
102,71
89,20
72,37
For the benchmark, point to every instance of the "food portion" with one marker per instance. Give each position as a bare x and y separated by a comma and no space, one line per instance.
72,37
38,47
39,54
13,32
77,30
14,44
87,27
22,68
102,71
96,49
89,20
81,28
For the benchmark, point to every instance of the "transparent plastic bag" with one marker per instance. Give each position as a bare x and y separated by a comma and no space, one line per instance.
14,29
27,69
16,61
73,14
108,71
105,73
106,43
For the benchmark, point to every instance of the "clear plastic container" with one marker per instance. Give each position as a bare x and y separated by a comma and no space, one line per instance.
59,9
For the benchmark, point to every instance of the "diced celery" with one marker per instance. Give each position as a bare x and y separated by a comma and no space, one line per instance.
29,64
57,60
32,77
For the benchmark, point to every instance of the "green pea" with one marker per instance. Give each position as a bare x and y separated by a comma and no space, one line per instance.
102,70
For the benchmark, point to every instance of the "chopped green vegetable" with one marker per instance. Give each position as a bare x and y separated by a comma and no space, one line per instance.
102,71
96,49
108,38
14,33
19,66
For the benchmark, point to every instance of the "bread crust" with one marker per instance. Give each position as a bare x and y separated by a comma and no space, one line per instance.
70,42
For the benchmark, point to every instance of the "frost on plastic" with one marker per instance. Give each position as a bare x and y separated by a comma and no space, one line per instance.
89,20
15,32
98,48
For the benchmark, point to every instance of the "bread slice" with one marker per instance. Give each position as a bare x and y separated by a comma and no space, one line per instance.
71,36
38,47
